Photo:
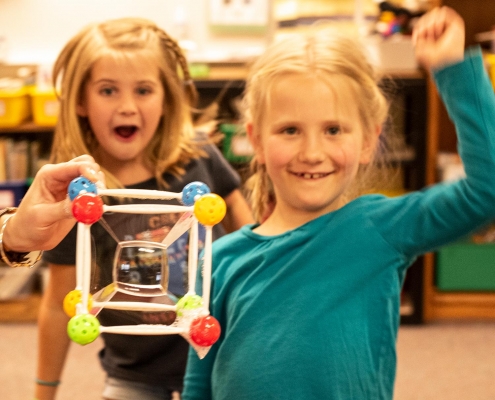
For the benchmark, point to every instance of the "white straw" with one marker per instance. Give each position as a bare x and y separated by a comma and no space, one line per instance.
207,268
134,305
193,257
79,255
140,194
143,329
146,208
86,263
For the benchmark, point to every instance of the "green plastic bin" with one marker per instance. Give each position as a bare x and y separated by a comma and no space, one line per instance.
466,267
236,145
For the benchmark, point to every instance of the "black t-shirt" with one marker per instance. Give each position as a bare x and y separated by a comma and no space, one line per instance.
158,360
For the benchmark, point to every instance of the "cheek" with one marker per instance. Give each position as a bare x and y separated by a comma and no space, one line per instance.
277,153
154,112
347,155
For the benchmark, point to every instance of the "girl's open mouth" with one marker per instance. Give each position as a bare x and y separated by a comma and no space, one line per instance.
125,131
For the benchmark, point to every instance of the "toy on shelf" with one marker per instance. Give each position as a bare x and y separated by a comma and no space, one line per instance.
140,267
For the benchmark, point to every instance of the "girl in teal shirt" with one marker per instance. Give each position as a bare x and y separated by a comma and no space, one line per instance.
308,299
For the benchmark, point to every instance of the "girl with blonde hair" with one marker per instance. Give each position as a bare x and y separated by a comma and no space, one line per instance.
126,98
308,299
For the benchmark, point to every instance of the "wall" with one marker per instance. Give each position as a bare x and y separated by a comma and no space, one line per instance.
36,30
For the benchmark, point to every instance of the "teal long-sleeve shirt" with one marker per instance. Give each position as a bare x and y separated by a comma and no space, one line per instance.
314,313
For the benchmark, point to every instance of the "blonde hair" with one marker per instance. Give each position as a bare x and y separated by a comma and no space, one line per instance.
173,144
321,53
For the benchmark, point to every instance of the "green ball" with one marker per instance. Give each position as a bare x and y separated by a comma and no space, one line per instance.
189,302
83,329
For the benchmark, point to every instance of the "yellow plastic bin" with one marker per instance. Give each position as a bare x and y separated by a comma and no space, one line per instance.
45,106
490,59
15,107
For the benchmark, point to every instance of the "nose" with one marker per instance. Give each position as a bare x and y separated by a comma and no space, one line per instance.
311,149
127,105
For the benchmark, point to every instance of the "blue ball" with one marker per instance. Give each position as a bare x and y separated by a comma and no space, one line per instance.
81,185
192,191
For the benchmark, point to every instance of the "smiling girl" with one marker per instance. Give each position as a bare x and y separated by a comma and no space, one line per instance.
126,98
308,299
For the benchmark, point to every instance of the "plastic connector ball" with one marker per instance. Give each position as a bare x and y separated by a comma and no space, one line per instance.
192,191
205,330
83,329
210,209
187,303
72,299
87,208
79,186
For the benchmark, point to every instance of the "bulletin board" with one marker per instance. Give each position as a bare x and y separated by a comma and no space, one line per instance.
239,16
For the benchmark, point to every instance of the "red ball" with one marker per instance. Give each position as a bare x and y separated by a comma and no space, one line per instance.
205,331
87,208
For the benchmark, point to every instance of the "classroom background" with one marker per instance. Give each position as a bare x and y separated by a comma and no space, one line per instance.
446,346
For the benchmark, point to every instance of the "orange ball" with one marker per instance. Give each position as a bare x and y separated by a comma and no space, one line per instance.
72,299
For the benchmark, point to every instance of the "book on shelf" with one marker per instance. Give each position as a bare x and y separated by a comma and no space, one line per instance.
19,159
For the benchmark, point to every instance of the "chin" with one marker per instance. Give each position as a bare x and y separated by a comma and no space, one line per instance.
320,208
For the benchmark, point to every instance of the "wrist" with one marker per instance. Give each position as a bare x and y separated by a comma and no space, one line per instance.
5,215
8,256
47,383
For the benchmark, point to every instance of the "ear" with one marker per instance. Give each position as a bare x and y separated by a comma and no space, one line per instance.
81,110
254,138
369,146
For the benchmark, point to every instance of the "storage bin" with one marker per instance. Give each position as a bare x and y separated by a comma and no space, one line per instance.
490,60
14,107
236,145
466,266
45,106
11,193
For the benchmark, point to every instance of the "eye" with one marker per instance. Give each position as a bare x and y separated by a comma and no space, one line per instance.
107,91
334,130
290,130
143,91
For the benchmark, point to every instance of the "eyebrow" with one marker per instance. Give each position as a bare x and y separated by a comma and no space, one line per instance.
109,80
296,122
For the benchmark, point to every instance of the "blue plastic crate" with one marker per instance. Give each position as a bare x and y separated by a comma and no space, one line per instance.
11,193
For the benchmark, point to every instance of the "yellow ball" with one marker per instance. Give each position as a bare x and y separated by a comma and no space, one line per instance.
71,300
210,209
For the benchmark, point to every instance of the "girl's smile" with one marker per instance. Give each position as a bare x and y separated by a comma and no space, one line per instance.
312,176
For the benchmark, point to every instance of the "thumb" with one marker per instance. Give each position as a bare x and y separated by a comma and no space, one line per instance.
61,210
66,206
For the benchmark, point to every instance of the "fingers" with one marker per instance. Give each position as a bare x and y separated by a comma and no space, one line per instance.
66,206
433,24
65,172
90,169
84,157
439,38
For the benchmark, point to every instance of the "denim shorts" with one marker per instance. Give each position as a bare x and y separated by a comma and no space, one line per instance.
119,389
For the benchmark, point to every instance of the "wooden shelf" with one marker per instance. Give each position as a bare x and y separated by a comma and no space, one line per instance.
439,305
462,305
24,309
27,127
